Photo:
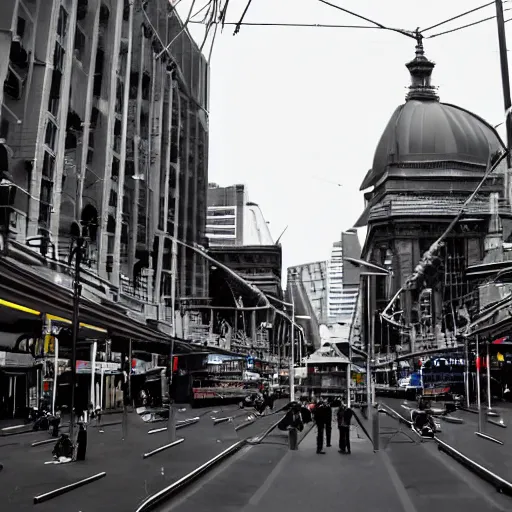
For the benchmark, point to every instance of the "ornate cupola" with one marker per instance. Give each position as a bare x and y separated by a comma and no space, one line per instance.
421,72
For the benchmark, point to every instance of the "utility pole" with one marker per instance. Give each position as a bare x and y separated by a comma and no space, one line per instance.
171,427
292,354
505,81
77,291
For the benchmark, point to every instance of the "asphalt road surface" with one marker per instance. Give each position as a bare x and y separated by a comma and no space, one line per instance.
404,475
130,478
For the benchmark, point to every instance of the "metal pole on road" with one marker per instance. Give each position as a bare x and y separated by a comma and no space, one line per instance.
368,349
478,401
488,362
466,372
505,81
292,354
77,290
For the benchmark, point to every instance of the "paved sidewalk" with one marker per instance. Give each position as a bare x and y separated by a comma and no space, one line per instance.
497,458
405,476
304,481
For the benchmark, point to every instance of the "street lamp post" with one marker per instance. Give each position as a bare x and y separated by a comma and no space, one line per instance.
370,270
77,233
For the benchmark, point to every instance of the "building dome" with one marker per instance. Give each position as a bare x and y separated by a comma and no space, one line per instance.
426,131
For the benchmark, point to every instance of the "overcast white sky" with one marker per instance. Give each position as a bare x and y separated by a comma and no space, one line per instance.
290,107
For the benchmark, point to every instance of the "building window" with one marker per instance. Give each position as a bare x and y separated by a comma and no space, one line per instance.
115,168
222,232
48,165
79,44
214,211
113,199
220,222
62,22
46,191
51,135
58,57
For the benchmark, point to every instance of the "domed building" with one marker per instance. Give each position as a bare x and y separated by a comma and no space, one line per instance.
429,160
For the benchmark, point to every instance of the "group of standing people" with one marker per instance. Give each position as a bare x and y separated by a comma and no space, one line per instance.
322,414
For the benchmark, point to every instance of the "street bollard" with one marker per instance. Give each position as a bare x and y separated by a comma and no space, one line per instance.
171,423
125,423
81,442
293,439
376,430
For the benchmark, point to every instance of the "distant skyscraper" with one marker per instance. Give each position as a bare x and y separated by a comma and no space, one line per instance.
343,277
314,278
233,220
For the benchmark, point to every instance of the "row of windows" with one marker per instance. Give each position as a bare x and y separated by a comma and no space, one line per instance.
221,232
220,222
215,211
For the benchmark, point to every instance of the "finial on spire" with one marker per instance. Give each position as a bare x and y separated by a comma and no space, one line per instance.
421,71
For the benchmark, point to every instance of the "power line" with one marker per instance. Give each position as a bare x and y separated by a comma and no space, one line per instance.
305,25
205,6
408,33
352,13
237,28
458,16
465,26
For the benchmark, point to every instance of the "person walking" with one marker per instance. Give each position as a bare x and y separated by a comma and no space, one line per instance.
344,418
328,424
320,414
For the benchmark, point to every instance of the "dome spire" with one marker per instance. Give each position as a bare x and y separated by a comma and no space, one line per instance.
421,71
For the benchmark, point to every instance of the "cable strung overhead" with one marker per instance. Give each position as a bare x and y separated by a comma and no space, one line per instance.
457,17
237,28
299,25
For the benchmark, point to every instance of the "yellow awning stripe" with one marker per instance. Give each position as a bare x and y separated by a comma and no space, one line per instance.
12,305
85,326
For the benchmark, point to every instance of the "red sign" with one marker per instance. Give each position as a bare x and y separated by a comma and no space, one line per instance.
175,364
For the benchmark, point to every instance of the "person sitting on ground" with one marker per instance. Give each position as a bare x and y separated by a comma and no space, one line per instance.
63,448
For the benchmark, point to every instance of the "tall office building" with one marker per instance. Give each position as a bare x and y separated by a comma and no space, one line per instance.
233,220
343,277
314,279
102,126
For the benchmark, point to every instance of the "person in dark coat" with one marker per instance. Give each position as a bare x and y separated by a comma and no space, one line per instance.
321,416
344,418
328,424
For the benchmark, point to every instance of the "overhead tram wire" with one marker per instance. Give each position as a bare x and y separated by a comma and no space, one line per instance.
209,20
465,26
300,25
453,18
408,33
240,21
205,6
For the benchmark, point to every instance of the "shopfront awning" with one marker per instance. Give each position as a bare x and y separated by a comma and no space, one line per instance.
28,289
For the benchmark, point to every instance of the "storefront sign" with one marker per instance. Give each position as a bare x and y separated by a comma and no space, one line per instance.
219,359
85,367
11,359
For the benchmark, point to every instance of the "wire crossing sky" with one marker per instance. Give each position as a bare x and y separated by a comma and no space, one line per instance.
295,110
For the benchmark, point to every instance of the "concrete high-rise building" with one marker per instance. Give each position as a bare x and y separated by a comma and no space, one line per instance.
103,144
104,127
343,277
314,279
233,220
